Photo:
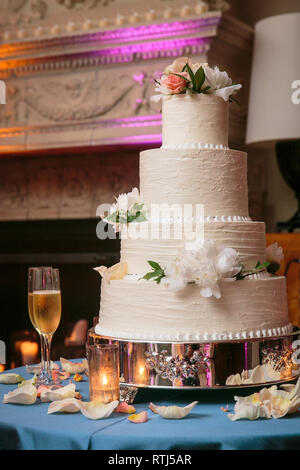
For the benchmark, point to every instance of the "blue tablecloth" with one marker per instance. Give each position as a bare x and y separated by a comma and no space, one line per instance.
207,427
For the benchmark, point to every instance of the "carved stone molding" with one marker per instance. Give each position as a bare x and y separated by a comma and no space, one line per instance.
93,89
36,19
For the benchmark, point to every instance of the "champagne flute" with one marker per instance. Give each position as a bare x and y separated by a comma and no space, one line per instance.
46,311
31,274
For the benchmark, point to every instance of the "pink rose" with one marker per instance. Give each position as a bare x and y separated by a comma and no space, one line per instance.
174,83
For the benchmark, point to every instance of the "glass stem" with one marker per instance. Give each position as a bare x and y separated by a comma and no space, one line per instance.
42,354
47,361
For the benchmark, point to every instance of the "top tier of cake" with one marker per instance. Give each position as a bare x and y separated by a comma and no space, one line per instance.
195,120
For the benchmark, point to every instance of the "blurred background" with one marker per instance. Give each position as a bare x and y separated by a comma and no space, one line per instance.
79,77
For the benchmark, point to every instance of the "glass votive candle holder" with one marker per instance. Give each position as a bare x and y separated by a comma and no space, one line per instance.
104,372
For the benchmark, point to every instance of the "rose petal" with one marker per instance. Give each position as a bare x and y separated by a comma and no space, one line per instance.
74,367
138,418
24,395
97,410
58,394
125,408
172,412
69,405
10,378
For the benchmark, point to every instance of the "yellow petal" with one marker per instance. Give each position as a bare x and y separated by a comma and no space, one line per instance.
117,271
138,418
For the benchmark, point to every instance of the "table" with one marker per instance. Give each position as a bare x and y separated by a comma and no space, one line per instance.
207,427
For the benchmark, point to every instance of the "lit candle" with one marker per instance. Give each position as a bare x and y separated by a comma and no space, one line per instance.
104,372
29,352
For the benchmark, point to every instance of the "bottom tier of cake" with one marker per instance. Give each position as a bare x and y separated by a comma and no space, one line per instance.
142,310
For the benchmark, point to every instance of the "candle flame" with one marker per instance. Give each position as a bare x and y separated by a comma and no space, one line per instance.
104,380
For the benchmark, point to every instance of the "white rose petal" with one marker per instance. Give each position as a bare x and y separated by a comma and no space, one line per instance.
59,394
97,410
225,93
25,395
69,405
74,367
10,378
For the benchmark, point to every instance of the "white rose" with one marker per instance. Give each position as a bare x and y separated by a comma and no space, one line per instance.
178,65
274,253
173,285
133,197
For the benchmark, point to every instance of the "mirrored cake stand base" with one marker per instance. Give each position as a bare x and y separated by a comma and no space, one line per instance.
205,365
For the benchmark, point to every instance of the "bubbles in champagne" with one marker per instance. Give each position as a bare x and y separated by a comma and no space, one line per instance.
46,310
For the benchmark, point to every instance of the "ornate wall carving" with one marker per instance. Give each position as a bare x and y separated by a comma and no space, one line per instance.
73,82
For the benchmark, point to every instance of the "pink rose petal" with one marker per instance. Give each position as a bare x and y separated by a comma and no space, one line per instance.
138,418
125,408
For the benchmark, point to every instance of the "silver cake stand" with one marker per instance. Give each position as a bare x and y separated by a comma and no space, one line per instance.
204,365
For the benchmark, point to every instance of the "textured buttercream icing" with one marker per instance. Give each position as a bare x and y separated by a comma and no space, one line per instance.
194,167
247,238
215,178
195,118
138,309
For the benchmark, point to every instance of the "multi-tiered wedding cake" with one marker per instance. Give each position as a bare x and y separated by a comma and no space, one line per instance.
187,288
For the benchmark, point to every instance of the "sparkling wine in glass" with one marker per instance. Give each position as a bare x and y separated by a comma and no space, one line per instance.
46,302
31,275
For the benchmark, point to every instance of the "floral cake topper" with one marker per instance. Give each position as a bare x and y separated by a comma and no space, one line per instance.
184,77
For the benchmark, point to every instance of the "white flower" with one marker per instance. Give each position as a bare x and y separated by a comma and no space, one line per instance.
274,253
204,264
178,65
125,200
219,82
173,285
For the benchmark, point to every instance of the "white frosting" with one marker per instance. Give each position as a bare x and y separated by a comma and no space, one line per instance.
138,309
247,238
215,178
194,118
154,336
195,145
195,167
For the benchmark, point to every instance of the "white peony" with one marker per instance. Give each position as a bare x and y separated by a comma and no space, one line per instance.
202,263
274,253
219,82
125,201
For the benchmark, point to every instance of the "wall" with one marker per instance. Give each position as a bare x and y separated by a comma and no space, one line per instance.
281,203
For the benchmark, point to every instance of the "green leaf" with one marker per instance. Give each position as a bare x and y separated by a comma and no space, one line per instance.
273,267
199,79
160,278
192,77
140,217
262,266
149,276
206,89
155,266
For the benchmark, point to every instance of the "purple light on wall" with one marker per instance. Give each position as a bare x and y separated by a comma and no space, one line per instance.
152,31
